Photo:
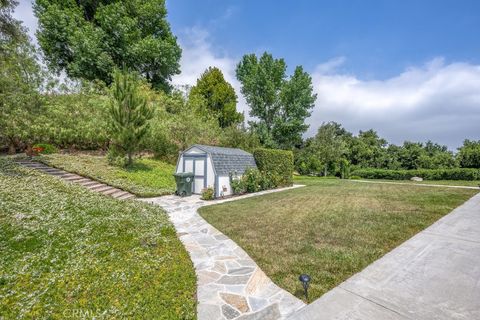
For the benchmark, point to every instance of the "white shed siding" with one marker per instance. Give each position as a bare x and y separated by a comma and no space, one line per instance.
210,173
180,165
224,182
188,165
195,151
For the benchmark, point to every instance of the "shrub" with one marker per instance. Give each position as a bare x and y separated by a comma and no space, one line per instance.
45,148
76,120
276,163
469,154
269,180
208,194
344,169
427,174
252,179
236,183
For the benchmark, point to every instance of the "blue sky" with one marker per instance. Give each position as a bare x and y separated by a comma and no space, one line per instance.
380,38
408,69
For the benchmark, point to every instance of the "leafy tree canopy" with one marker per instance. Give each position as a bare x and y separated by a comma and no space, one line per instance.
88,39
219,97
469,154
10,29
21,78
329,145
280,104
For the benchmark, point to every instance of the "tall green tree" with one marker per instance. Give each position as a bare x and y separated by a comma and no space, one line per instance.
219,97
329,145
89,39
469,154
20,101
10,29
129,115
296,101
178,123
368,150
280,104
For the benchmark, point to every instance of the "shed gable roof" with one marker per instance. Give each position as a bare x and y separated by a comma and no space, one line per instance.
228,160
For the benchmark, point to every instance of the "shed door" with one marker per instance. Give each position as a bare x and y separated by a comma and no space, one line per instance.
197,165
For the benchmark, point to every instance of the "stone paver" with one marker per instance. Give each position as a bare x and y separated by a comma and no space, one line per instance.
433,275
230,284
91,184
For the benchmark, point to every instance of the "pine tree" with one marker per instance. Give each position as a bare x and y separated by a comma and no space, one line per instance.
129,115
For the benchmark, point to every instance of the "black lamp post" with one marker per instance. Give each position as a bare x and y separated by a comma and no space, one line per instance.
305,280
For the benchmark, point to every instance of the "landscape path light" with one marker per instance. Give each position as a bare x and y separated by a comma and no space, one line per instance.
305,280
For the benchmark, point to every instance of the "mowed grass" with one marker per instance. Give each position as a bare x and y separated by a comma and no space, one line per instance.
145,178
464,183
330,229
67,252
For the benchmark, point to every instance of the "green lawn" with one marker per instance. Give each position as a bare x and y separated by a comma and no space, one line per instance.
467,183
66,251
330,229
146,178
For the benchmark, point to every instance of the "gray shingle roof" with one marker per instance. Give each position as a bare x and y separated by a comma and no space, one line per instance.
228,160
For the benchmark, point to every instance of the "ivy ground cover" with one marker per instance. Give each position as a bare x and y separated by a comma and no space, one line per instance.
67,252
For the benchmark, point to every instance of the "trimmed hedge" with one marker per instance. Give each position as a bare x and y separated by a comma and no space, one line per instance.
427,174
278,164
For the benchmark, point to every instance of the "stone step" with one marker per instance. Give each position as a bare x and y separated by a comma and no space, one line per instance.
65,175
74,178
126,196
70,175
89,183
109,192
37,166
31,163
93,185
47,169
96,186
118,194
56,173
102,188
82,180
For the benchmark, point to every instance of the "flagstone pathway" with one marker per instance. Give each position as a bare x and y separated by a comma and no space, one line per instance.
230,284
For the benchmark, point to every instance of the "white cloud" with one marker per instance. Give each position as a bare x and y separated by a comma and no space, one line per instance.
330,66
437,101
198,55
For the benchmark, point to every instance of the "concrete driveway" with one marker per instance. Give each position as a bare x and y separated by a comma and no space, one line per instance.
434,275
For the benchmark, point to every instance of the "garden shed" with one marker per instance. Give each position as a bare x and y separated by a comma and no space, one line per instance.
212,166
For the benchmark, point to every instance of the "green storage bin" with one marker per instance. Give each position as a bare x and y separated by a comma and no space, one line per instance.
184,182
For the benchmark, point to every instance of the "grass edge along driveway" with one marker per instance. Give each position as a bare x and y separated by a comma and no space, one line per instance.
330,229
66,250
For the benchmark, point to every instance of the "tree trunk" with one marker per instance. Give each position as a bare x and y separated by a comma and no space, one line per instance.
130,160
325,171
28,150
11,148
